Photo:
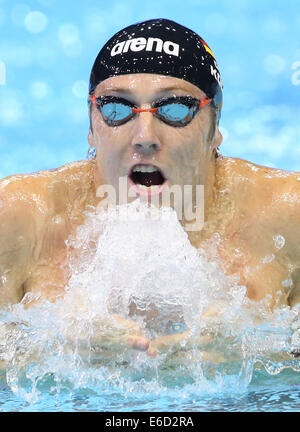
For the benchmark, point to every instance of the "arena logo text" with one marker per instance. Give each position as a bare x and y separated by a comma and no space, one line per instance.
150,44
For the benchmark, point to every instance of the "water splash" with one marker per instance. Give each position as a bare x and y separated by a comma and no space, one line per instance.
138,263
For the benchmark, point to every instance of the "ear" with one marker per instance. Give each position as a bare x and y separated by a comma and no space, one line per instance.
217,140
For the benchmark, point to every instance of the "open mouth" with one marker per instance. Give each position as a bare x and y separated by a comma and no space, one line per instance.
146,176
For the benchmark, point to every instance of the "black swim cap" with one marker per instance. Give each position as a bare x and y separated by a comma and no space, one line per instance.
162,47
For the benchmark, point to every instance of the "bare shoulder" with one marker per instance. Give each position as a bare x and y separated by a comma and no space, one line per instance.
29,204
262,194
267,186
29,201
243,169
42,188
265,214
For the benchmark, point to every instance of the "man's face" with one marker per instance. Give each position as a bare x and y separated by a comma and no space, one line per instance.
182,155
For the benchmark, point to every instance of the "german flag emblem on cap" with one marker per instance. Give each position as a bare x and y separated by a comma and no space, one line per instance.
207,48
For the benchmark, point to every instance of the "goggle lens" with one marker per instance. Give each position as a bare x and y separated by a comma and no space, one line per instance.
115,112
175,113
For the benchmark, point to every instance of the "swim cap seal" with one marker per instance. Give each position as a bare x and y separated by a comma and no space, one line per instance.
163,47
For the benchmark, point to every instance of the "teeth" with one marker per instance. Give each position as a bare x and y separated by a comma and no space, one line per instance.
145,168
154,187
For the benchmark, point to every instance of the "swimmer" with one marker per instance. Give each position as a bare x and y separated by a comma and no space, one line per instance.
155,101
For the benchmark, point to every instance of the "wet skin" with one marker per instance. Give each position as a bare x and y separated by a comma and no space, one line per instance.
247,207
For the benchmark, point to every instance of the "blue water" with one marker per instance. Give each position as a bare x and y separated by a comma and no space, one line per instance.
265,393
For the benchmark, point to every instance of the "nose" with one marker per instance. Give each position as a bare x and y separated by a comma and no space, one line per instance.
145,140
146,148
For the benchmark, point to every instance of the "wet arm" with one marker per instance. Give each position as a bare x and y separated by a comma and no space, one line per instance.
15,248
291,214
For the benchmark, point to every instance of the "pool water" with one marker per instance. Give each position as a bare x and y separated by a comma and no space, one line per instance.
67,356
264,394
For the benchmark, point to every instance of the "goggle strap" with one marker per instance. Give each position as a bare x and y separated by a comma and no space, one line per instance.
93,98
138,110
204,102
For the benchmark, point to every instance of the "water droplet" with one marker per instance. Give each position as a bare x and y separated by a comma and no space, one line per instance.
279,241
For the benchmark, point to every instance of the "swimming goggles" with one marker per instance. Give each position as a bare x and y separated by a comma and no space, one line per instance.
177,111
